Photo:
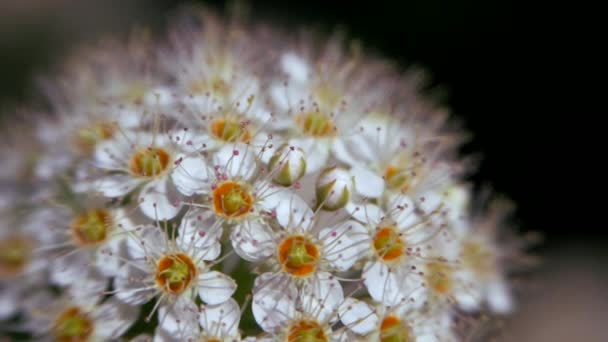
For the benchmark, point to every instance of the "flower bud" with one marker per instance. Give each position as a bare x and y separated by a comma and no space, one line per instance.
288,165
334,187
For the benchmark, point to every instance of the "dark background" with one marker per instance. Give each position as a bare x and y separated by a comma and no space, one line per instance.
507,72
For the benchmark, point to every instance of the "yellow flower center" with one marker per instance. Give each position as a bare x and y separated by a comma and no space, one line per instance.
388,244
306,331
298,255
73,325
229,130
15,253
439,277
392,329
316,124
232,199
149,162
92,227
88,137
175,272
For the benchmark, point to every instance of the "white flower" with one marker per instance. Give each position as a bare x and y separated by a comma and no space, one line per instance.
240,195
66,319
173,269
163,165
411,158
296,316
396,239
90,238
219,322
399,323
319,107
302,253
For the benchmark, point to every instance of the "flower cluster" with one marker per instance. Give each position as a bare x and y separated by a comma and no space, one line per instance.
233,183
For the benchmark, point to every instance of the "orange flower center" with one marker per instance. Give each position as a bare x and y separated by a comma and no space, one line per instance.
232,199
92,227
298,255
15,253
388,244
230,130
316,124
393,329
89,136
149,162
73,325
397,178
306,331
175,272
439,277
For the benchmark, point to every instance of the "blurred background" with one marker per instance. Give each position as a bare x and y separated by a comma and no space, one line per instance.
500,70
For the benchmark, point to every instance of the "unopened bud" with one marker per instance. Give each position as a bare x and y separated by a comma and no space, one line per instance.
334,187
288,165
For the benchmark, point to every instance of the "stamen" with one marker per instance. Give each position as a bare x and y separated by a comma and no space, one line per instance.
175,272
298,255
149,162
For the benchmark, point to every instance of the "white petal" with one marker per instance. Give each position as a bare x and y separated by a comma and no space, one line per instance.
147,241
89,287
160,98
316,152
252,241
370,214
272,309
358,316
113,318
179,320
295,67
381,284
499,297
215,287
367,183
236,160
291,210
344,244
107,257
223,318
402,211
154,201
66,269
131,287
116,185
200,232
321,295
190,175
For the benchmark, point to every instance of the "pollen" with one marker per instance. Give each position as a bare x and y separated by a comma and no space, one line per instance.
316,124
298,256
149,162
175,272
15,253
230,130
306,331
388,244
439,277
393,329
88,137
73,325
232,200
92,227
